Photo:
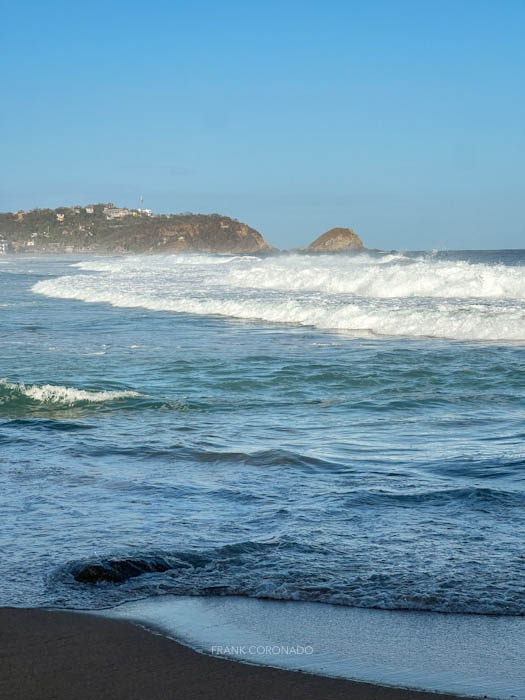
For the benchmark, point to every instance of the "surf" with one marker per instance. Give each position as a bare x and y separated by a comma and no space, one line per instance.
383,296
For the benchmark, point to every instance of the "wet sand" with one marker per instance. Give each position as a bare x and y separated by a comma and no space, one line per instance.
49,655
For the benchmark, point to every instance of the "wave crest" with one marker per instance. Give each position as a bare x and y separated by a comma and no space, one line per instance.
284,569
390,295
57,394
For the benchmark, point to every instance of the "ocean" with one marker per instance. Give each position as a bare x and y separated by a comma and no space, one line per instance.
340,429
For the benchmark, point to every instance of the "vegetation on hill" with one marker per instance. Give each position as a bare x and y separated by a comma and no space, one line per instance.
104,228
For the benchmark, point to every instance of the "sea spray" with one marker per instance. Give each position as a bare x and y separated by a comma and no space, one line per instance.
382,295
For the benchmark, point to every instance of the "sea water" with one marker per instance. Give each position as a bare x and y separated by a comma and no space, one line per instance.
335,429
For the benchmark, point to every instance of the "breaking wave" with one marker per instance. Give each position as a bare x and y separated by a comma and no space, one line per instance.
381,295
392,276
286,570
56,394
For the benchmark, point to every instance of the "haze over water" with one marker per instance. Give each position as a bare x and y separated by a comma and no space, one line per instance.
344,429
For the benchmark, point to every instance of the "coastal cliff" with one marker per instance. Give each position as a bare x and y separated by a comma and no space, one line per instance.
101,228
209,236
336,240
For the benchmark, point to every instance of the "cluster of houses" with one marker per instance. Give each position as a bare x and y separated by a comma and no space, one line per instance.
110,212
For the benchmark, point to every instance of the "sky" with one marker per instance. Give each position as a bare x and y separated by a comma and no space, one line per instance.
402,120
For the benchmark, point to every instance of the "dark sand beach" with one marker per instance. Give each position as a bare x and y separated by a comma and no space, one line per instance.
62,655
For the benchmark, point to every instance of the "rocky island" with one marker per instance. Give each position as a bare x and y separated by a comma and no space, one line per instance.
336,240
105,228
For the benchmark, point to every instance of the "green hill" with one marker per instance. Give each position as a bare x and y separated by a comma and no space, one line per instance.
105,228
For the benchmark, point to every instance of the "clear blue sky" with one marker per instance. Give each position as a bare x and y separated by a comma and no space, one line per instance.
403,120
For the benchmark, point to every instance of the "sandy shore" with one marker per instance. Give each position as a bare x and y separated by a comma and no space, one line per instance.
61,655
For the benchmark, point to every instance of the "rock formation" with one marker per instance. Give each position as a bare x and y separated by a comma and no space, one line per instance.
118,570
336,240
226,236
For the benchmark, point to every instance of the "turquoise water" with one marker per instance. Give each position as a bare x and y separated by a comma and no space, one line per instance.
336,429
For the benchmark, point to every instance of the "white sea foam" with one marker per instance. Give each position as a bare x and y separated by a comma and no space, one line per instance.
398,278
151,262
450,653
392,295
51,393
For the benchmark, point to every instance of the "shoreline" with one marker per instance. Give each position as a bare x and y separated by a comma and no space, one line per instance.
454,653
57,654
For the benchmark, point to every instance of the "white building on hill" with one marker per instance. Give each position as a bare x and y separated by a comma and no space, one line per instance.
111,212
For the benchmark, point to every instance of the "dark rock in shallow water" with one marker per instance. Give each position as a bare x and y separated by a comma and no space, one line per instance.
118,570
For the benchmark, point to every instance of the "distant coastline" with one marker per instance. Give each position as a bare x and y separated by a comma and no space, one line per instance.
106,228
